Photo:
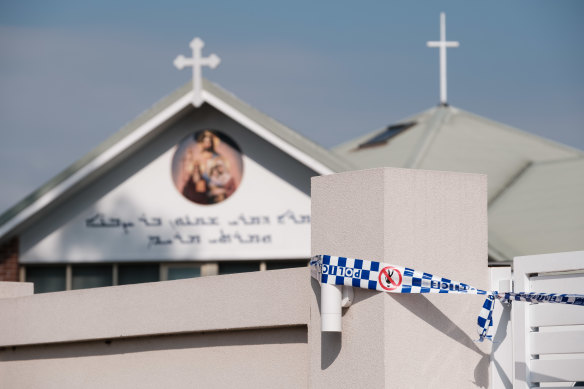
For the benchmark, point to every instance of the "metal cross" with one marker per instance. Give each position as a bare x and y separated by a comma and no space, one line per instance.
442,44
197,61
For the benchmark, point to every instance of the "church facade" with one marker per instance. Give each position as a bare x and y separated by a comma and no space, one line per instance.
203,184
182,191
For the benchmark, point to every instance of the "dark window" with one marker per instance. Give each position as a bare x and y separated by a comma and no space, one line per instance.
92,276
275,265
136,274
390,132
238,267
46,278
177,272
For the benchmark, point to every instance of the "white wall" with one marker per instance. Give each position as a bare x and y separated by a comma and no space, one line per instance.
431,221
139,190
245,331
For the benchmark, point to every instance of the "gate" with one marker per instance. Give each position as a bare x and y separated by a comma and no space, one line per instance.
542,345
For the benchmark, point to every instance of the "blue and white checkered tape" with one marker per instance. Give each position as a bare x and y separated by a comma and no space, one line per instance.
388,278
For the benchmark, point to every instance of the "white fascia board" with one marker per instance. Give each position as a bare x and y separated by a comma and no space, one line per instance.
266,134
142,131
545,263
98,162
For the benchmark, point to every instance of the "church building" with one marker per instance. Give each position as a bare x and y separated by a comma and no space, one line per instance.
203,184
200,184
535,186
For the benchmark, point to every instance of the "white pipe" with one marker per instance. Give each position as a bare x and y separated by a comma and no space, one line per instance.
330,308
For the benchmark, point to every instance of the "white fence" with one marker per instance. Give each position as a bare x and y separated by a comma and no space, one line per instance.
542,345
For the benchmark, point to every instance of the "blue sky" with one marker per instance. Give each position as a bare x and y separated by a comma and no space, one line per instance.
72,73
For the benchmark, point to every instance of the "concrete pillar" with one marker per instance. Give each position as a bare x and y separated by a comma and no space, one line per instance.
15,289
431,221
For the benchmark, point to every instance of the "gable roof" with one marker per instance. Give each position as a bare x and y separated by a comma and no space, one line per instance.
542,212
149,124
449,138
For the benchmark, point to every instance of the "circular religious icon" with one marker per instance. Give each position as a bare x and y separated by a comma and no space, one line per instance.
207,167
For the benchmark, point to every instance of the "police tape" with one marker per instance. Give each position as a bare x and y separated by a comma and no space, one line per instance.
384,277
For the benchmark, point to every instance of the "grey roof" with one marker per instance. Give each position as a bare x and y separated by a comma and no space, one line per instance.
542,212
315,151
448,138
87,158
324,156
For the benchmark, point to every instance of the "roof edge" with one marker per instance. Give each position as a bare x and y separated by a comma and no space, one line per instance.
332,162
76,166
374,132
539,138
42,197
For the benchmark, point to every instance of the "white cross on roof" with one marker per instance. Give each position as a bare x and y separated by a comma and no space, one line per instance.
442,44
197,61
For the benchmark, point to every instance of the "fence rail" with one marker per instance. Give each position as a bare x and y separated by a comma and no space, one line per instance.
548,339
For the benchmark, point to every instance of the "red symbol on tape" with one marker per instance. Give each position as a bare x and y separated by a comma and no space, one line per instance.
390,278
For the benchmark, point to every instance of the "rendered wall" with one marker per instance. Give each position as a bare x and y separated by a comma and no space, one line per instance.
431,221
267,358
262,329
245,330
11,289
